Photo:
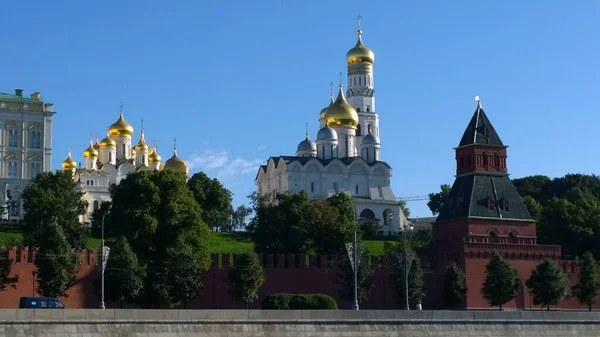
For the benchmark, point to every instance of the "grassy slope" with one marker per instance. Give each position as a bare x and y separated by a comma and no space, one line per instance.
219,242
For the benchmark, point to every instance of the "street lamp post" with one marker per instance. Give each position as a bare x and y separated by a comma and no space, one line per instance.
102,306
406,258
356,265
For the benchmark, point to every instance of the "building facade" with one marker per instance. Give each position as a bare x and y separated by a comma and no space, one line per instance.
110,160
26,145
346,156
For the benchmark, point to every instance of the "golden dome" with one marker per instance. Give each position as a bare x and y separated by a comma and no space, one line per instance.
340,113
176,164
108,142
97,145
324,111
69,164
151,151
90,152
141,145
154,157
120,128
360,53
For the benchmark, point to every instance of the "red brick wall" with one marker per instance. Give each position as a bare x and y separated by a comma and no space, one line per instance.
285,273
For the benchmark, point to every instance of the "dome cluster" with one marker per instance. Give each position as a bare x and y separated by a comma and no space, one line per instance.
119,135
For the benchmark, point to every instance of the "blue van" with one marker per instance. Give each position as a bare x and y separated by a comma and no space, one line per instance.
40,303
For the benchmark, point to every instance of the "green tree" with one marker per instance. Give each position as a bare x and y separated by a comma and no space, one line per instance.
123,276
56,262
96,218
214,200
5,269
397,271
404,208
369,228
345,278
536,187
455,286
239,217
436,200
280,225
548,284
53,196
246,278
501,282
588,287
533,206
157,213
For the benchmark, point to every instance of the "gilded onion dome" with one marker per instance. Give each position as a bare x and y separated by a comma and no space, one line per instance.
141,145
154,157
69,164
324,111
176,164
97,145
340,113
90,152
120,128
108,142
360,53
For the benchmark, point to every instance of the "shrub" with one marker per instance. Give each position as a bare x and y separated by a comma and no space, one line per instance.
298,302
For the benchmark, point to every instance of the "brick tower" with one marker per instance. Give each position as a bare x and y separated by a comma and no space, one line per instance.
483,213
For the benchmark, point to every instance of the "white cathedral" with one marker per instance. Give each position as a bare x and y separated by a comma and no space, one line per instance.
109,161
346,156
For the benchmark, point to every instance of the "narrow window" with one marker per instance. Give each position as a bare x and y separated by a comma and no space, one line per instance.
357,109
356,189
96,205
359,81
358,126
347,146
110,157
312,187
123,149
367,155
323,154
485,159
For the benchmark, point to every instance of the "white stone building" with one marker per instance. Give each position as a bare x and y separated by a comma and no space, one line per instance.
346,156
26,146
109,161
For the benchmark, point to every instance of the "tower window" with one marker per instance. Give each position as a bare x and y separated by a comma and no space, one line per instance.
358,126
490,204
335,186
312,187
357,109
110,156
368,108
485,159
359,81
356,189
347,146
123,149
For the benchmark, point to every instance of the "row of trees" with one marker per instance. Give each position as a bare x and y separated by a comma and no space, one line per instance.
548,284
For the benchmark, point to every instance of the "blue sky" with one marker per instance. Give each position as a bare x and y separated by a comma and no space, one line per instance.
236,81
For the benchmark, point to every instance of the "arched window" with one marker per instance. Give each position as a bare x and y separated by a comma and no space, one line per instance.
358,126
12,170
110,156
13,138
96,205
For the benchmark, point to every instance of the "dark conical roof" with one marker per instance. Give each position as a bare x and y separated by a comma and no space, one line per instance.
480,130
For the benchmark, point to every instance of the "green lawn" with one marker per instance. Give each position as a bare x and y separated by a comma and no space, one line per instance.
219,242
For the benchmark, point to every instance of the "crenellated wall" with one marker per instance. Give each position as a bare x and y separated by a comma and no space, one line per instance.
291,274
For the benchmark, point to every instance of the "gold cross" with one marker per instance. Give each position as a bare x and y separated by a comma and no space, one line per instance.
358,19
